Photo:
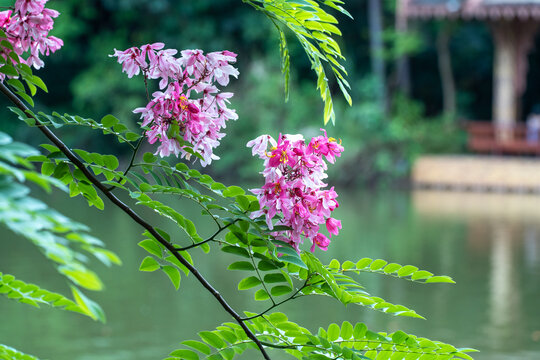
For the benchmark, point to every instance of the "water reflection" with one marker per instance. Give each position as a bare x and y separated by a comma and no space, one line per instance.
506,227
505,311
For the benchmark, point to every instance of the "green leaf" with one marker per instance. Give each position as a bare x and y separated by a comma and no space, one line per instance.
274,278
88,306
399,336
261,295
152,246
362,263
407,270
173,260
149,264
38,82
440,279
243,201
82,276
346,330
266,265
110,161
9,70
237,250
296,260
9,353
280,290
26,98
16,84
197,345
212,339
333,332
390,268
241,265
131,136
248,283
420,275
109,121
359,331
47,168
277,318
173,274
233,191
185,354
149,158
377,264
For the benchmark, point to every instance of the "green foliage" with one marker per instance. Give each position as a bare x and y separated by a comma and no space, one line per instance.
379,266
9,353
18,290
62,241
315,30
336,342
108,125
55,235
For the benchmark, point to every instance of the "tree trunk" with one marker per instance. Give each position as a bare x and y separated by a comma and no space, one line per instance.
376,49
403,75
445,70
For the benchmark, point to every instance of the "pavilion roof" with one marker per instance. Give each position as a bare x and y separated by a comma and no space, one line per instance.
471,9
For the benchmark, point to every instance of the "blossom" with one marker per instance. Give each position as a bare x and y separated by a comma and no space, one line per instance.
189,112
294,187
332,226
27,29
321,241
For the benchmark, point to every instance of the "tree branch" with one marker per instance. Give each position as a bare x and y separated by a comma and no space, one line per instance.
221,228
136,217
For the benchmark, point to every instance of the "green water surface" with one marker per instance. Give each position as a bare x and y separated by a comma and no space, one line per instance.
489,244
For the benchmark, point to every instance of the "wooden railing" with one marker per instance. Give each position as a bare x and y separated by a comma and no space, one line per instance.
482,138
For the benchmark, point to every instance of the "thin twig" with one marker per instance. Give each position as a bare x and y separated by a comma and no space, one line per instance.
221,228
136,217
135,150
275,305
260,277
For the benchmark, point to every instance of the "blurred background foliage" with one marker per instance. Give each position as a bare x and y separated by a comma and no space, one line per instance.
82,79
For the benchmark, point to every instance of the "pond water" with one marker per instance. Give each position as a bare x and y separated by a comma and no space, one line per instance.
489,244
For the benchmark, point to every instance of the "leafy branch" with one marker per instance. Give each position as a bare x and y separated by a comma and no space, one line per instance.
131,213
314,28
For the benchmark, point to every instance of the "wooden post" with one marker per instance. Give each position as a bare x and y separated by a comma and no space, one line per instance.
513,40
504,94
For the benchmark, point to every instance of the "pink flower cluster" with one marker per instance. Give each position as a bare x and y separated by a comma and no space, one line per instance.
27,28
190,111
294,174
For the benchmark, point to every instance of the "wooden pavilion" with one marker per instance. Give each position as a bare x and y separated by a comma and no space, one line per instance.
514,24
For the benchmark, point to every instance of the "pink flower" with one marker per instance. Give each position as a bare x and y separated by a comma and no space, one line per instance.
131,60
293,188
31,6
27,30
190,108
332,226
321,241
5,18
